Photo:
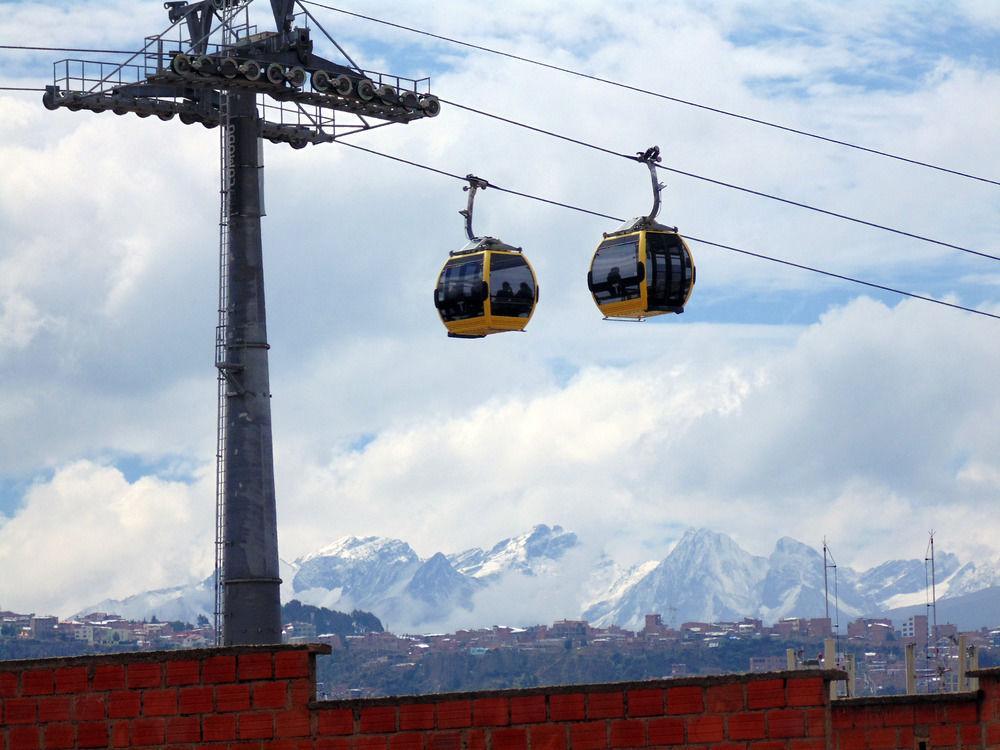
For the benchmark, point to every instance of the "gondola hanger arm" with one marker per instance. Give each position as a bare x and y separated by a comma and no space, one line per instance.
651,157
475,183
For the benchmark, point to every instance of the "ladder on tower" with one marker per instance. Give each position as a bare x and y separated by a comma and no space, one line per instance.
221,353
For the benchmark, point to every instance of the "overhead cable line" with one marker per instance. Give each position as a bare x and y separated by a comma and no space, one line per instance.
721,183
721,246
25,47
656,94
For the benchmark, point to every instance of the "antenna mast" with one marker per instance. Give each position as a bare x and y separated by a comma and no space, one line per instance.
252,86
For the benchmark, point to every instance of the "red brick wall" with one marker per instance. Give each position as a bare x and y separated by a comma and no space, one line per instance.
264,699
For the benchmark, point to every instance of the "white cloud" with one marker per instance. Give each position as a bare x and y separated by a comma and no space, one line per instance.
88,533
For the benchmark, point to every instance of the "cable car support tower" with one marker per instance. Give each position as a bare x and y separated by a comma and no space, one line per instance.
251,85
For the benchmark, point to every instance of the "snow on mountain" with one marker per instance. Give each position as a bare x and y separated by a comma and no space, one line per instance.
707,577
183,603
530,553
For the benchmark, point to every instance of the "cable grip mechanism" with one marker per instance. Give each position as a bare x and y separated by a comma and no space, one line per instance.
475,183
651,157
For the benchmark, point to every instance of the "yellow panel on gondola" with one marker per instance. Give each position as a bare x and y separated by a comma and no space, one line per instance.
641,270
487,287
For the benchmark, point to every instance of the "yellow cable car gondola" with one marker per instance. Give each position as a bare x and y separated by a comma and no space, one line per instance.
486,287
642,268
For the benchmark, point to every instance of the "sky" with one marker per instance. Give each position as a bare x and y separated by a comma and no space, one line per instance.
780,403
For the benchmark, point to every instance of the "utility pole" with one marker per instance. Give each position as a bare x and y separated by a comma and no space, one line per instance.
252,85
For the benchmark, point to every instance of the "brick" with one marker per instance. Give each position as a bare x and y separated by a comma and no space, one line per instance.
807,692
183,729
108,677
370,743
183,672
685,700
808,744
933,713
159,702
219,727
490,712
944,735
527,709
547,737
88,708
291,664
725,699
120,734
144,675
92,734
474,739
962,713
566,707
124,704
335,721
784,724
148,731
71,680
970,734
851,739
510,739
416,716
707,728
55,708
255,666
377,719
24,738
645,702
302,691
776,745
606,705
21,711
766,694
906,737
406,741
60,736
897,716
628,733
255,726
815,722
842,718
590,736
666,731
444,741
219,669
746,726
454,714
232,698
294,723
288,744
8,685
270,694
195,700
38,682
883,738
333,743
993,733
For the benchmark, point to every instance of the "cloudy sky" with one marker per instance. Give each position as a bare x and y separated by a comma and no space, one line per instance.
780,403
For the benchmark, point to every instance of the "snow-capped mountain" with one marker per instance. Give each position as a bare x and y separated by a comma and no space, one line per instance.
530,553
705,577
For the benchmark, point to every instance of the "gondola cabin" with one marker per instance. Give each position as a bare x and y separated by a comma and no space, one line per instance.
486,287
641,270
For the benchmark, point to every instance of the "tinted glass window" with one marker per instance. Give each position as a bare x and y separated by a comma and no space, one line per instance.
614,274
459,293
512,288
669,268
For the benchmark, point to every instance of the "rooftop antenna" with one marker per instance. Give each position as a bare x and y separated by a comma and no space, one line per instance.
212,67
830,564
932,602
